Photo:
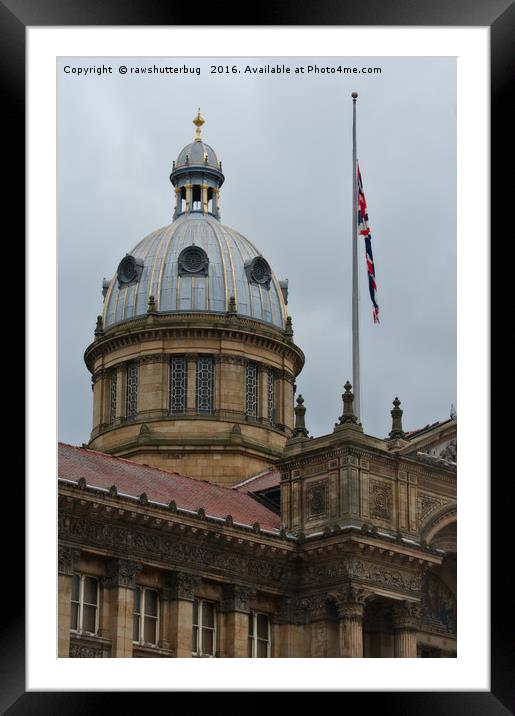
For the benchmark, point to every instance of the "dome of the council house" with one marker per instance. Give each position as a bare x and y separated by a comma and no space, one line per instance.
227,272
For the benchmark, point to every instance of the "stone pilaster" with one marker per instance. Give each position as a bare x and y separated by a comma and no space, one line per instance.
287,630
179,595
236,609
121,582
406,620
66,557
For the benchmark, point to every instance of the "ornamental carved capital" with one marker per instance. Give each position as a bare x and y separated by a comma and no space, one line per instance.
122,573
66,557
350,602
181,585
236,598
406,615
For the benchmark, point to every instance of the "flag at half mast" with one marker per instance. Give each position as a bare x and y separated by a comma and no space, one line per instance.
364,230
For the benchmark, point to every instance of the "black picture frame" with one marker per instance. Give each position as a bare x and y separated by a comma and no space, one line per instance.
499,16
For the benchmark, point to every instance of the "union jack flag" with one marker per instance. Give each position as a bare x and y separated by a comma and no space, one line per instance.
364,231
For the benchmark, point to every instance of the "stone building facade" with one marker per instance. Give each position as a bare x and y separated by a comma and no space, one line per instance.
201,519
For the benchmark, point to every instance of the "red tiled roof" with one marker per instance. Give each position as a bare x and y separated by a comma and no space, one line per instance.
132,478
262,481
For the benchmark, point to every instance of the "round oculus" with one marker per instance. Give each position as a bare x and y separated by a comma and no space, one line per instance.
127,270
260,271
193,259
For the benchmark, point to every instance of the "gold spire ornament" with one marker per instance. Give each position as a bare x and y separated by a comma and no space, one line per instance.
198,122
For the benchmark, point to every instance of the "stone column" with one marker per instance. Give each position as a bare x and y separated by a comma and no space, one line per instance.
406,620
66,557
350,606
235,607
180,594
121,582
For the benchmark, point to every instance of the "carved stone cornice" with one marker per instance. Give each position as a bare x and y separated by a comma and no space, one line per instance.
66,557
236,598
169,549
406,615
192,325
122,573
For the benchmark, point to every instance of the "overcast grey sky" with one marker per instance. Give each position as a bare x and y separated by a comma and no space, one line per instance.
285,142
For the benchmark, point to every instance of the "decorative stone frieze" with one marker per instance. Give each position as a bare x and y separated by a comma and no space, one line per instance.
81,651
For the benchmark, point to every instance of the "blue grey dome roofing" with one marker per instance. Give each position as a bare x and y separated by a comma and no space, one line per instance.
195,153
175,291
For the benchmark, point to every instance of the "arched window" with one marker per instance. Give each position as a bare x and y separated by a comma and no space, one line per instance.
132,390
205,380
178,384
251,391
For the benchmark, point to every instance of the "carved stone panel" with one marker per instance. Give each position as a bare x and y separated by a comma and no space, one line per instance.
316,499
381,501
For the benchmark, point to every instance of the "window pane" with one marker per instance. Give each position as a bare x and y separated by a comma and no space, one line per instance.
208,641
249,648
262,626
88,618
262,649
151,602
75,588
150,630
208,614
251,624
75,616
194,640
90,590
135,628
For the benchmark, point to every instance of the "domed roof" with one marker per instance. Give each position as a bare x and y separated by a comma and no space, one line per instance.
219,263
198,152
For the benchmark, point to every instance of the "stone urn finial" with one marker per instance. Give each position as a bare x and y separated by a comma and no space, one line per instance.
300,425
396,413
348,402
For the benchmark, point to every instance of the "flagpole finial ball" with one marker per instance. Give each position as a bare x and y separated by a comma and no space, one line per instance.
354,95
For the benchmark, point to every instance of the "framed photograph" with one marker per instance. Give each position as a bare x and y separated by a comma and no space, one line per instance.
235,326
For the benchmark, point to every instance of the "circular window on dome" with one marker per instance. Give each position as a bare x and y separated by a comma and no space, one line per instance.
259,271
129,269
193,260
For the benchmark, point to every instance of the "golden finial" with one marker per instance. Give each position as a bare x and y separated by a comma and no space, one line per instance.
198,122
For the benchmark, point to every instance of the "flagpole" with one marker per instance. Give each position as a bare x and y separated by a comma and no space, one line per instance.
355,311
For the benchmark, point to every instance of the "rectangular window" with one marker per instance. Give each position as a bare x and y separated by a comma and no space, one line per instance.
271,396
145,616
259,636
132,390
204,628
84,616
251,391
205,385
178,384
113,389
